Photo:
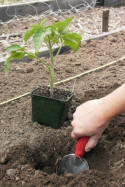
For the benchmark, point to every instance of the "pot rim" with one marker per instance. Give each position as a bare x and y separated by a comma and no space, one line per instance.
32,94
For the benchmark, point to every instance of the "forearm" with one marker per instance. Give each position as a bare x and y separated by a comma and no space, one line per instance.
114,103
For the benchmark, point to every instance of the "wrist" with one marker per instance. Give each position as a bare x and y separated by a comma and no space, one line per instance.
108,111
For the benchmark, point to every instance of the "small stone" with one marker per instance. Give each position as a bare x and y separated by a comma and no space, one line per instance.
29,70
24,167
23,182
69,175
78,64
86,68
11,172
3,157
37,172
121,64
19,69
17,178
68,70
72,59
25,27
113,40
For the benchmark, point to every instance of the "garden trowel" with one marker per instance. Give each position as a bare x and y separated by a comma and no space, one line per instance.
75,163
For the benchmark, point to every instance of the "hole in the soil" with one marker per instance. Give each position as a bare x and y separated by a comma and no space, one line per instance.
47,165
48,168
23,155
49,161
97,159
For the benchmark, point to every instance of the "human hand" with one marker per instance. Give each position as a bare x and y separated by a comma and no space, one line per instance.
90,119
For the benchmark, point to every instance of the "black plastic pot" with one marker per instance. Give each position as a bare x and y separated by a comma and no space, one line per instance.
49,111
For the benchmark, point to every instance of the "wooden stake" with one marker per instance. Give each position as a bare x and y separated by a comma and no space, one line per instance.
105,20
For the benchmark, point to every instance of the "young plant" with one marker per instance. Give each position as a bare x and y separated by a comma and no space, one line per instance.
55,35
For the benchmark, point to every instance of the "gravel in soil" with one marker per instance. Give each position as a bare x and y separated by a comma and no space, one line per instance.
30,153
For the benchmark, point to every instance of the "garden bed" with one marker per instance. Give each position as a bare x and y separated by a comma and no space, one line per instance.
30,152
87,23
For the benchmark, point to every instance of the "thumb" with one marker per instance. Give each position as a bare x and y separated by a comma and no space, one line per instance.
93,140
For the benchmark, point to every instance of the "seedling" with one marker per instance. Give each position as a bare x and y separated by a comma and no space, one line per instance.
54,35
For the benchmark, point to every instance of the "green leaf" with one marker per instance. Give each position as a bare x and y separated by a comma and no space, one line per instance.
14,56
14,48
28,34
32,31
39,37
73,40
43,21
17,55
53,37
61,25
31,55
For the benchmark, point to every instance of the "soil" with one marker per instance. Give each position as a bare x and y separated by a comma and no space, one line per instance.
29,152
58,94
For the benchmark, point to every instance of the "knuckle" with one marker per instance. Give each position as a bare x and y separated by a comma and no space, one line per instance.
76,132
78,107
72,135
74,115
72,123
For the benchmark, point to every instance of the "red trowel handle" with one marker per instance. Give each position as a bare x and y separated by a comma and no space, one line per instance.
80,146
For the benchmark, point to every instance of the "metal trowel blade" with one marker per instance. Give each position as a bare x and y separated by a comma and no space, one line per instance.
72,164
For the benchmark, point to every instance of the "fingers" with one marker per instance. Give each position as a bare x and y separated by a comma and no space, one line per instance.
80,131
93,140
74,116
76,133
73,135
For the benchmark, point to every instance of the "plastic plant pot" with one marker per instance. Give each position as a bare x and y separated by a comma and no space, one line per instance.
49,111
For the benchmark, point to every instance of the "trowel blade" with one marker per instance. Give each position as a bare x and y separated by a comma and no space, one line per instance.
72,164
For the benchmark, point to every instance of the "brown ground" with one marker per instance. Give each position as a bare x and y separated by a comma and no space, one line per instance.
88,23
30,153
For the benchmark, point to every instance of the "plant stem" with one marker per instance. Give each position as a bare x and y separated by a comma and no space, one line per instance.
51,81
58,52
51,69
